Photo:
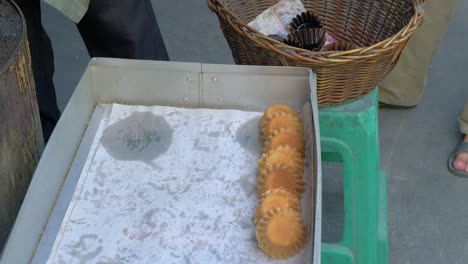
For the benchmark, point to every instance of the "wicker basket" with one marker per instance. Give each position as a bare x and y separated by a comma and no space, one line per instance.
380,27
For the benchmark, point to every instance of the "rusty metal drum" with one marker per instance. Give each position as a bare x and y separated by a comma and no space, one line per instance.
21,140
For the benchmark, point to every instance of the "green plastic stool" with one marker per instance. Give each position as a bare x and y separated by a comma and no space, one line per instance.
350,135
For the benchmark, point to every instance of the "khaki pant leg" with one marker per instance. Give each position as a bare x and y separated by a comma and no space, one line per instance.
405,84
463,120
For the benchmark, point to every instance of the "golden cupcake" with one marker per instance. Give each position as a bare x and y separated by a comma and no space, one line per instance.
280,177
276,109
281,233
278,198
279,121
284,156
285,137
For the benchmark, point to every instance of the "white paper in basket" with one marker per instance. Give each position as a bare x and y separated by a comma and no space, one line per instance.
170,185
276,19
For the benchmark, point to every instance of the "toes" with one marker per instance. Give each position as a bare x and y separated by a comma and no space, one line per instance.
461,162
459,165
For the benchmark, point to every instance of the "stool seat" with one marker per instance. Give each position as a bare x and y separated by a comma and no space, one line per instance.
349,134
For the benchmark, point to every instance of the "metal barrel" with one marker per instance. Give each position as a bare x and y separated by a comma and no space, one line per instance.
21,140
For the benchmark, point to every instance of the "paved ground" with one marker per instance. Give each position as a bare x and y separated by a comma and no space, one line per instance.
427,206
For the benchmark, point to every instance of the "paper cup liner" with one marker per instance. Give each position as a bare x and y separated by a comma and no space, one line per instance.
277,198
339,46
280,177
311,39
305,20
285,137
281,233
279,121
276,109
282,156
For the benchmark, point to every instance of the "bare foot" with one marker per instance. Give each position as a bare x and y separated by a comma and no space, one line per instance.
461,161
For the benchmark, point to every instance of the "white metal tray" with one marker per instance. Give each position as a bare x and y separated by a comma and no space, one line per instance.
107,81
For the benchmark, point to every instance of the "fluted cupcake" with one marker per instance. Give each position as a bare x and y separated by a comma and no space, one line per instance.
284,156
285,137
276,177
277,198
279,121
276,109
281,233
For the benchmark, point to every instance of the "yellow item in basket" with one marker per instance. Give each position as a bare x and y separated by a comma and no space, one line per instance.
282,156
280,177
276,109
279,121
281,233
286,137
278,198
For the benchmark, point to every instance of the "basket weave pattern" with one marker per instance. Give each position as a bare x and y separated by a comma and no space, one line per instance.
381,28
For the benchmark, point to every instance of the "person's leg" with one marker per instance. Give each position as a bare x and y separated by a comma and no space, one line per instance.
461,161
42,65
405,84
122,29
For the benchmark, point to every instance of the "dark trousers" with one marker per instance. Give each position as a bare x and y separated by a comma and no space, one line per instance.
122,29
42,58
110,28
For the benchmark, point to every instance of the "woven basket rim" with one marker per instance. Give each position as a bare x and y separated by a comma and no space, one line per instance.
218,7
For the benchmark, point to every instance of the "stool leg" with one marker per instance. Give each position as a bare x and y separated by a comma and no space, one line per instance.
342,253
382,232
355,126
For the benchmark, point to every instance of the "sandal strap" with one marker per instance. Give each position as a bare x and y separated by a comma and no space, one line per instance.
462,147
